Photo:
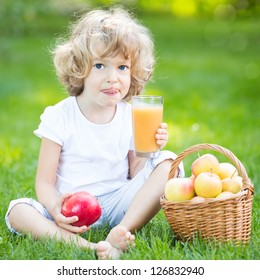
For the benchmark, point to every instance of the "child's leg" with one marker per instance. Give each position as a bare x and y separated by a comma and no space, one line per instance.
146,203
143,208
26,219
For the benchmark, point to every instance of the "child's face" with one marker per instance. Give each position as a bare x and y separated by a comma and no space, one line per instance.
109,80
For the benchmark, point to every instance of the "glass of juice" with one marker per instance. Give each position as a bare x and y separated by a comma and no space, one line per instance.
147,115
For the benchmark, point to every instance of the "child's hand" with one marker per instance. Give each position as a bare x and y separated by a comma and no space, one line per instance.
162,135
65,222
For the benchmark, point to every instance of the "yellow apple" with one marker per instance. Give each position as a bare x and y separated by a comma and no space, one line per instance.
208,185
179,189
240,180
198,199
205,163
227,170
231,185
225,194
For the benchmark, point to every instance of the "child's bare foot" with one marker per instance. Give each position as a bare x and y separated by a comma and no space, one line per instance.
119,237
105,251
116,242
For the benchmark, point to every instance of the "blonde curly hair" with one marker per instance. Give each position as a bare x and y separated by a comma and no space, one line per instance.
113,31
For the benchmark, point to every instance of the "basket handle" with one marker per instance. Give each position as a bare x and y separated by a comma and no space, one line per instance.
247,185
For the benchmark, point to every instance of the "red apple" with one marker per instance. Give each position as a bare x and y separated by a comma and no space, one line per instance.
179,189
83,205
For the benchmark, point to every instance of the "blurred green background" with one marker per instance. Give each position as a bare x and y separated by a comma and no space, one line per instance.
208,70
22,17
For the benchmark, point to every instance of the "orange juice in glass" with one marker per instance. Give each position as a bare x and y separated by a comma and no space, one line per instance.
147,115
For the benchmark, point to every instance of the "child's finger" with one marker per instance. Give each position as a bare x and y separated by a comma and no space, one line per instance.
164,125
161,142
71,220
76,229
162,131
161,136
84,229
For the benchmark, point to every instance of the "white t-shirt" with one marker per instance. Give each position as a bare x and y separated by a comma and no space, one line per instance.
93,156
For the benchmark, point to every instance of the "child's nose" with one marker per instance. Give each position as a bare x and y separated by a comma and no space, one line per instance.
111,76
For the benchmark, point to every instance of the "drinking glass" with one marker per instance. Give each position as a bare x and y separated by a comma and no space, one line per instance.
147,115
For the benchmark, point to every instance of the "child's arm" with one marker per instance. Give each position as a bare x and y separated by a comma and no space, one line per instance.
46,191
137,163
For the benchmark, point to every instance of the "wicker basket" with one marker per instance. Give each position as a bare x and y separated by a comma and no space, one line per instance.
221,219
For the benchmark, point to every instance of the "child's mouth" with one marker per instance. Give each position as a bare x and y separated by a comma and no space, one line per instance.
110,91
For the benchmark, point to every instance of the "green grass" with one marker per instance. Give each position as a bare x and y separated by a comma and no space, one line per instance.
209,74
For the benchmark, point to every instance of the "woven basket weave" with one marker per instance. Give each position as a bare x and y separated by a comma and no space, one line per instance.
221,219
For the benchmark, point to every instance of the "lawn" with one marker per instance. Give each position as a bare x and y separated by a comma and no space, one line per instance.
209,75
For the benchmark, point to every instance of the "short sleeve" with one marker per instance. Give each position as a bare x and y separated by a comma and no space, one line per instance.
131,144
51,125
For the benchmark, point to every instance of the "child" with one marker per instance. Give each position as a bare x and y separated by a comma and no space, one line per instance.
86,139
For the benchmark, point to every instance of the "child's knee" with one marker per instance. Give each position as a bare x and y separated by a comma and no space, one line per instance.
17,210
13,217
164,167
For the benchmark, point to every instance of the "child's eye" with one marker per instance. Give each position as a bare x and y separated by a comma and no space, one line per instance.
123,67
99,66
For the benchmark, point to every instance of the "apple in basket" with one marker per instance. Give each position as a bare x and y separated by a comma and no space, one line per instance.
205,163
179,189
198,199
225,194
227,170
208,185
233,185
83,205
